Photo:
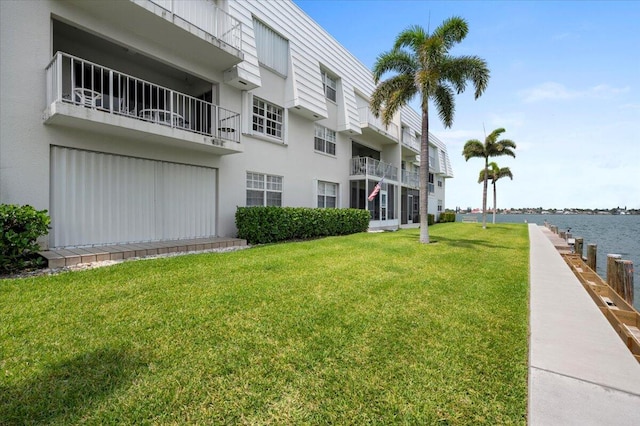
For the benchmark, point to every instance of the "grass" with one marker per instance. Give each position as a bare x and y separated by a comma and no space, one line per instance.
362,329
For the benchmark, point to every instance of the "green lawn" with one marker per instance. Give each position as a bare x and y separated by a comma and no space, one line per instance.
361,329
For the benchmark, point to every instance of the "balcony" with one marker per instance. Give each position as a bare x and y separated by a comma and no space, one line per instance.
213,21
197,29
86,95
373,127
366,167
411,141
410,179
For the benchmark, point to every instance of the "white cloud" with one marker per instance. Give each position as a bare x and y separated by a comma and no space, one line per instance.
557,91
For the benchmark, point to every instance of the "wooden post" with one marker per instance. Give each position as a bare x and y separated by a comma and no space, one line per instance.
563,235
611,271
554,229
577,248
624,271
592,250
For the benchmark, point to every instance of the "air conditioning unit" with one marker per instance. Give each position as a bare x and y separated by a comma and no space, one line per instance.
237,78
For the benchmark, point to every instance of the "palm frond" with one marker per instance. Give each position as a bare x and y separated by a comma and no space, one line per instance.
444,103
452,30
396,60
412,37
473,148
390,95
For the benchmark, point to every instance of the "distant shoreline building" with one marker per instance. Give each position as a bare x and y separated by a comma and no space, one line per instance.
151,120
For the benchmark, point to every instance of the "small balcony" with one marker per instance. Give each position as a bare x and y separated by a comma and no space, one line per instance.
84,94
410,179
373,127
198,29
366,167
213,21
411,141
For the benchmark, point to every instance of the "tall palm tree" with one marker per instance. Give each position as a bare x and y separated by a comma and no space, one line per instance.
420,64
492,147
495,173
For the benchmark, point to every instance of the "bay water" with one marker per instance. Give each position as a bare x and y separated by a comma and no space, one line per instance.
613,234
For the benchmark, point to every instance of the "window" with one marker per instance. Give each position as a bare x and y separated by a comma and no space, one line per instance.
273,49
439,205
325,140
327,195
264,190
440,182
267,118
329,86
432,188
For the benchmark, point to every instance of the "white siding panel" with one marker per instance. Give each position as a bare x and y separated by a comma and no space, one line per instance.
99,198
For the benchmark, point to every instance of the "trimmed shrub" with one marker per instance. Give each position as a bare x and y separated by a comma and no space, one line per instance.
431,219
261,225
21,226
447,217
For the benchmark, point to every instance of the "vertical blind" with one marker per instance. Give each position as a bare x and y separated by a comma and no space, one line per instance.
273,49
99,198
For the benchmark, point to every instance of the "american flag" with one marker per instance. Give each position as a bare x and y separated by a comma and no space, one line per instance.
375,191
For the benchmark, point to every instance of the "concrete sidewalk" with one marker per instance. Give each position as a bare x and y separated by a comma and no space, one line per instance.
580,371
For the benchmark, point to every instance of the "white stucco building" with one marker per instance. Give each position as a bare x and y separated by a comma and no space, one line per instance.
149,120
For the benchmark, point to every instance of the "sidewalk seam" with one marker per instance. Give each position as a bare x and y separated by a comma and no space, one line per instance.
578,379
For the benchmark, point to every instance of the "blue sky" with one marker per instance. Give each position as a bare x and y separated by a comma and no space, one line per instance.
565,84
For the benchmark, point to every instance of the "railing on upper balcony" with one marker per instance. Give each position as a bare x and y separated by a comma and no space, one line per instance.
77,81
411,179
365,166
410,140
206,16
367,117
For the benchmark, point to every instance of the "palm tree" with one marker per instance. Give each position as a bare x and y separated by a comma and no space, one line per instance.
492,147
495,173
426,68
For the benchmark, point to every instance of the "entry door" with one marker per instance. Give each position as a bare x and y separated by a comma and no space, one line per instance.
410,209
383,205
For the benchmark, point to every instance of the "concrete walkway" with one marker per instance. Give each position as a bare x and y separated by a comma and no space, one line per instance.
57,258
580,371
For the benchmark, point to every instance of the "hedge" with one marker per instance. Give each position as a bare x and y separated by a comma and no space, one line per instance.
447,217
21,226
261,225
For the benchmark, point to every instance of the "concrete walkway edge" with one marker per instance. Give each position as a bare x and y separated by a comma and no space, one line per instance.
580,371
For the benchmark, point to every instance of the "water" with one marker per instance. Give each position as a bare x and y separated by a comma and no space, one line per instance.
619,234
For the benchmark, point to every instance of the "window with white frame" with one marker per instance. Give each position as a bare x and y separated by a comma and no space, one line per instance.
325,140
264,190
273,49
432,188
439,205
440,183
329,85
267,118
327,195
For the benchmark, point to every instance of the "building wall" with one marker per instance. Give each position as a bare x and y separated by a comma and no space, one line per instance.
26,47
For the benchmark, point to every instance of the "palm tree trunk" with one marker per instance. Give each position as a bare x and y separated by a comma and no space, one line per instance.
484,193
424,175
494,202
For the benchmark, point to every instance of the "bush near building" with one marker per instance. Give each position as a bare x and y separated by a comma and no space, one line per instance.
21,226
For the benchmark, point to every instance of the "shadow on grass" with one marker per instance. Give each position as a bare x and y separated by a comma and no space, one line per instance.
459,241
66,391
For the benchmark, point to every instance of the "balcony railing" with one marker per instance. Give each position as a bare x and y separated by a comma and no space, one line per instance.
368,167
411,141
207,17
411,179
77,81
368,119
